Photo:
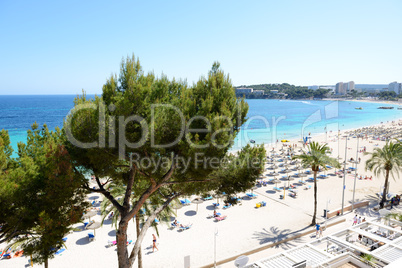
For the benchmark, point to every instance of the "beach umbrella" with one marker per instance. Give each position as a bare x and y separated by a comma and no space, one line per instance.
93,226
197,201
276,181
290,179
299,168
90,214
177,205
253,188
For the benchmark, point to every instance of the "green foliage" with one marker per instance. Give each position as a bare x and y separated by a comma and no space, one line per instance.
185,137
368,258
39,195
316,158
387,95
387,161
291,91
396,216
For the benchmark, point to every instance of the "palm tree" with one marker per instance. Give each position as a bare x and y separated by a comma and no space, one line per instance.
317,158
388,160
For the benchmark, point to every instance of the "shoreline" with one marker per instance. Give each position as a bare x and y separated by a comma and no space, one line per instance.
315,135
253,227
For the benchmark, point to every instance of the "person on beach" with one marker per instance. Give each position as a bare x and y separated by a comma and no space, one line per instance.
317,229
215,214
359,220
354,220
154,243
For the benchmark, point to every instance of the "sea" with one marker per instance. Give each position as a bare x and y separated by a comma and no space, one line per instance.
268,121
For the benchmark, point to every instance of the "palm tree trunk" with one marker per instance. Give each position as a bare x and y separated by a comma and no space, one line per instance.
384,193
315,198
137,227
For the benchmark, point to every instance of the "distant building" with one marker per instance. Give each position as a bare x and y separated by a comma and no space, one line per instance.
313,87
274,91
339,89
396,87
371,87
342,88
244,90
258,92
351,85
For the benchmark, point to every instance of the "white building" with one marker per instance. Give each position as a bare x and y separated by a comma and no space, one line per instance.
244,90
342,88
396,87
339,89
258,92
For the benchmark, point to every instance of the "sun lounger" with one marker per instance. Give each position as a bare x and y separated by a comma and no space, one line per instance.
277,189
212,216
7,256
228,206
215,204
186,227
261,204
185,202
302,182
60,251
252,195
207,198
220,218
307,187
174,225
91,237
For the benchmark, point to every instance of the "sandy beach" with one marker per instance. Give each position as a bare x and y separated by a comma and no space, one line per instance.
246,227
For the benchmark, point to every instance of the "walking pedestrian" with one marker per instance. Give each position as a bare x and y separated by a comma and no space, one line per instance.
154,243
359,220
354,220
317,229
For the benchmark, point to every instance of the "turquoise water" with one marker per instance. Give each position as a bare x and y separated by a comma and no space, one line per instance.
272,120
268,121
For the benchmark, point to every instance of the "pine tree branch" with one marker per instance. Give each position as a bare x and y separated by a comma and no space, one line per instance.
146,226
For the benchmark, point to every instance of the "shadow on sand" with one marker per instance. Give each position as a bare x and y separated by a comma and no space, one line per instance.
274,235
82,241
190,213
112,233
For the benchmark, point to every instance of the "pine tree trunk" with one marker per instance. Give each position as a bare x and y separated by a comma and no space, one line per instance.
315,198
384,194
137,226
121,237
46,263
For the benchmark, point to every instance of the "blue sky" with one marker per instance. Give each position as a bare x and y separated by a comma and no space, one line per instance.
62,47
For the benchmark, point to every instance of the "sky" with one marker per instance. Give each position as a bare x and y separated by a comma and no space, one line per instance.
64,47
